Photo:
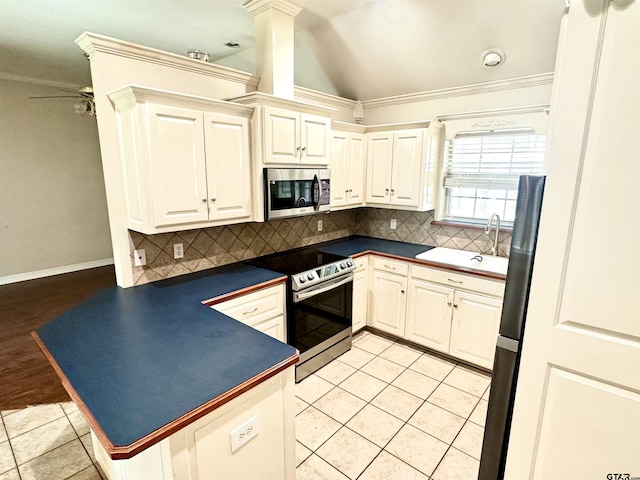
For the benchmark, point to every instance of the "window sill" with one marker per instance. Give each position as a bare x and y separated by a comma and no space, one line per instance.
470,226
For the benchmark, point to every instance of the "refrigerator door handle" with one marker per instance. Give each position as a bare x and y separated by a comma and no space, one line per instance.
508,344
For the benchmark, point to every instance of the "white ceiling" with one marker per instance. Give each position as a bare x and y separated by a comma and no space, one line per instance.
359,49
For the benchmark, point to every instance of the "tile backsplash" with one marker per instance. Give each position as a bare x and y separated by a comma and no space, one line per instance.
210,247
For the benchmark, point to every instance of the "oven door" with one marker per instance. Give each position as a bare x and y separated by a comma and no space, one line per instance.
319,322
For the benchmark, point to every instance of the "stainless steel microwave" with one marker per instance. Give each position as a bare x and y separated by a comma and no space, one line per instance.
292,192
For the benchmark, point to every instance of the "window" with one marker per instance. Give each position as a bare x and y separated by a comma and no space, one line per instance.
481,173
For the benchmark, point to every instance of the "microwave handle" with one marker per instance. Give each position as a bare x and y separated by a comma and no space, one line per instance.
315,193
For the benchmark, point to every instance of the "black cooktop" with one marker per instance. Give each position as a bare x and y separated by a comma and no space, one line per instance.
296,261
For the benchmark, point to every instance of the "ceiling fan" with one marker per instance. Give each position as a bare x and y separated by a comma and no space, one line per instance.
86,105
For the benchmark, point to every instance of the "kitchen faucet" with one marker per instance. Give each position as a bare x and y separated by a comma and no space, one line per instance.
487,231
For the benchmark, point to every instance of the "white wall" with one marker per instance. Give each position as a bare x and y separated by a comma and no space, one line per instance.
520,92
53,209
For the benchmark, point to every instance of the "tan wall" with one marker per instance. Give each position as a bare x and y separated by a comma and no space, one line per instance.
53,209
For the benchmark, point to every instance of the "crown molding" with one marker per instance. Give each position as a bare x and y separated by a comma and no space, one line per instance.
256,7
322,98
265,99
92,43
472,89
37,81
543,108
126,98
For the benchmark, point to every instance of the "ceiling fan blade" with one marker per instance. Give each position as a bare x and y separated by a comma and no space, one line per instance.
57,96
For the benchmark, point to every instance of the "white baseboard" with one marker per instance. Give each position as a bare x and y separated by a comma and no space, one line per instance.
21,277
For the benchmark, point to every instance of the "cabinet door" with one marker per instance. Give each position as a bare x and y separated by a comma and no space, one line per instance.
228,170
407,161
274,327
281,136
356,151
429,314
388,302
177,162
379,152
315,139
339,169
360,293
474,328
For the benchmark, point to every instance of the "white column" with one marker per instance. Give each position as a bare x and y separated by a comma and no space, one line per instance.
274,29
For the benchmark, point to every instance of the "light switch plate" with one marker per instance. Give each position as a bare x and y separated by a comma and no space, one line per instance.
178,250
319,225
244,433
394,224
139,257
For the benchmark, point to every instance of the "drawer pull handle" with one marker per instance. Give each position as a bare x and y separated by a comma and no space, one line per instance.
389,267
250,311
455,305
448,304
455,281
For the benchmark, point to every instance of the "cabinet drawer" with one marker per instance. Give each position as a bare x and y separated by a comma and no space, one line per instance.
256,306
391,266
459,281
361,263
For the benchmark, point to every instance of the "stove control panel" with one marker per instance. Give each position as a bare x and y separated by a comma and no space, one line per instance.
312,277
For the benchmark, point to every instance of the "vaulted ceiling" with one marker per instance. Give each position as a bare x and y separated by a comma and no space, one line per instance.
359,49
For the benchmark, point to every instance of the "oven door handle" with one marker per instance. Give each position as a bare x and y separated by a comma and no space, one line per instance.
324,287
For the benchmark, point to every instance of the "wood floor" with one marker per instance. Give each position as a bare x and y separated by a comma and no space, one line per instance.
26,378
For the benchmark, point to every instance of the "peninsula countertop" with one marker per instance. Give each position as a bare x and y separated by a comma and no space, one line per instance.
143,362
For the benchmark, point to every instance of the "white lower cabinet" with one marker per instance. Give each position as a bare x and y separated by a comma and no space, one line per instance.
360,293
419,304
474,328
203,449
429,314
263,310
388,295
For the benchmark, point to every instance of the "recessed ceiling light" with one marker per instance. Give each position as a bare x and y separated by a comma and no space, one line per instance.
232,44
493,57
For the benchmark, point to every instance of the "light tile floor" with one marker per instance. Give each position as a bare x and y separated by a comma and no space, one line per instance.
383,410
387,411
46,442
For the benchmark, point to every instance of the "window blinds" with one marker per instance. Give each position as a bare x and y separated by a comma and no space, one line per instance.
493,161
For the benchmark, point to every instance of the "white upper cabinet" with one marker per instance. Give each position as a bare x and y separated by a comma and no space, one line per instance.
347,166
406,167
379,161
284,133
395,163
185,160
177,165
295,138
401,167
226,141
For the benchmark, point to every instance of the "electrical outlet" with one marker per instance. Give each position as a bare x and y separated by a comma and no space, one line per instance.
319,225
394,224
139,257
178,250
244,433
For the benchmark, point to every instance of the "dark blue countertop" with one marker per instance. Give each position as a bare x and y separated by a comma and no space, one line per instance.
142,357
357,244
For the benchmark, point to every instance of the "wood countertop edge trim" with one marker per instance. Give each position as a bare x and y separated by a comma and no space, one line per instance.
428,263
243,291
128,451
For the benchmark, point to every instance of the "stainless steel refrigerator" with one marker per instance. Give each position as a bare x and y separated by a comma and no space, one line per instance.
510,338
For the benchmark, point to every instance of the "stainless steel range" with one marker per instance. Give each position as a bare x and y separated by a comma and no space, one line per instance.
319,304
